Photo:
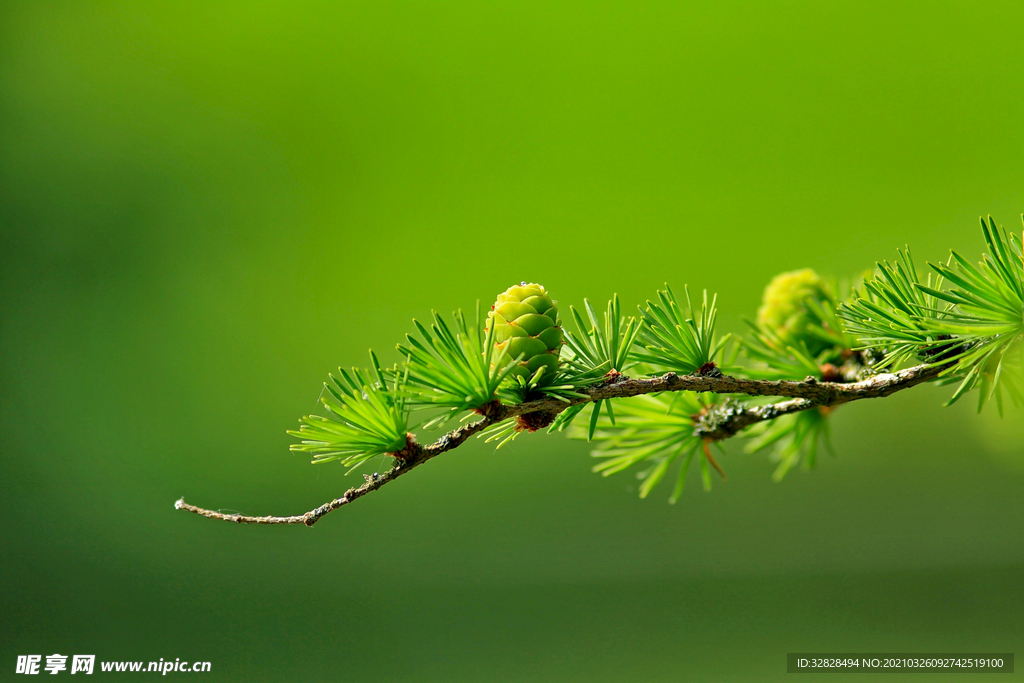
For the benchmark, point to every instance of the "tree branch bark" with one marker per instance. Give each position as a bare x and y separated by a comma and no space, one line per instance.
733,418
738,418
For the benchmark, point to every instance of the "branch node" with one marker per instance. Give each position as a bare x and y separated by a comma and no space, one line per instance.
409,451
531,422
489,409
709,370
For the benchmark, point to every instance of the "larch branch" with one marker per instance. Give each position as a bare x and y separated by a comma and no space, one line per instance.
804,395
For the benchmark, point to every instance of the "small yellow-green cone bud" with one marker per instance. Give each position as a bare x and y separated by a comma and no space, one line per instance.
784,309
525,321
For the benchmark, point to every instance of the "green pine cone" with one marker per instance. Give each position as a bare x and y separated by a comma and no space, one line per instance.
525,322
784,311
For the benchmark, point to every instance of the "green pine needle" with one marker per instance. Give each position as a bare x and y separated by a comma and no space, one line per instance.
565,384
595,350
775,359
366,417
656,430
604,346
794,439
503,432
899,313
453,366
971,318
674,341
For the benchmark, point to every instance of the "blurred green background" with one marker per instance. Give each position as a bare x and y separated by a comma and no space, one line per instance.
206,207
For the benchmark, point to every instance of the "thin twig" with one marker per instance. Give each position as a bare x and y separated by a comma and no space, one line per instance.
807,394
738,418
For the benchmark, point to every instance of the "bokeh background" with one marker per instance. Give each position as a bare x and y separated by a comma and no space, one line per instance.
207,206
